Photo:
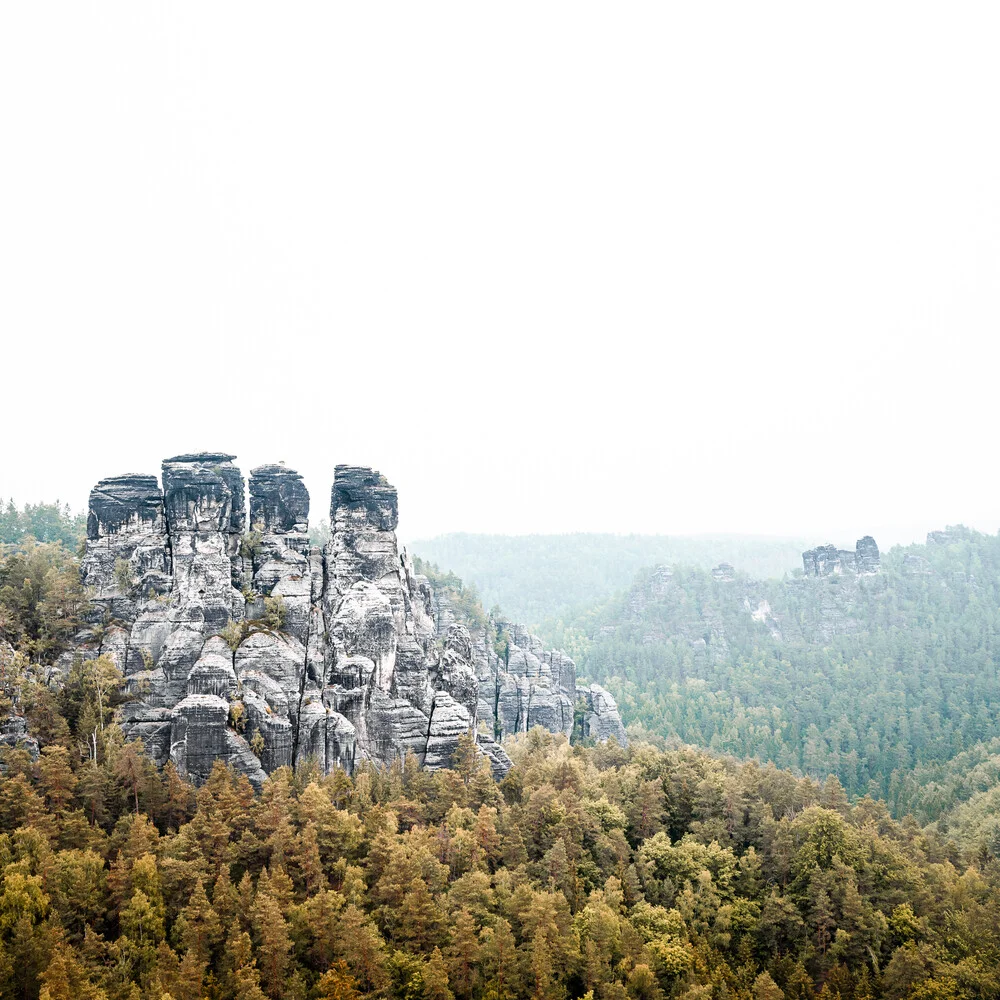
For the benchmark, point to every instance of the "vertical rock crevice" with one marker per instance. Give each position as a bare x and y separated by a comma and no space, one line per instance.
255,648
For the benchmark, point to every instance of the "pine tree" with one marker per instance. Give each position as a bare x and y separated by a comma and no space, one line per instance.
463,955
198,928
275,943
435,976
65,978
421,919
337,983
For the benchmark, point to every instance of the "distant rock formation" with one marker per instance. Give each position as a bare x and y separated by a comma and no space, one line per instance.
828,560
243,643
867,557
949,535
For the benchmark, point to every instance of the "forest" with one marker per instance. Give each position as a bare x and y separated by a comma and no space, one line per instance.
44,522
593,872
888,681
661,870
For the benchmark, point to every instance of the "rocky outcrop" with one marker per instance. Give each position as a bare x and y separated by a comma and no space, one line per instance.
601,720
128,556
241,642
14,732
828,560
867,557
950,535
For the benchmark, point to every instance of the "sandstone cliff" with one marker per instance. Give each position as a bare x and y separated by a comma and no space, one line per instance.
242,642
828,560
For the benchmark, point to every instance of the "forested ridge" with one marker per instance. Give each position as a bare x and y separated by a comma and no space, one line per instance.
889,681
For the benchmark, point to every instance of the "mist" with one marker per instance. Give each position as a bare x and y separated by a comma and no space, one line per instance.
549,268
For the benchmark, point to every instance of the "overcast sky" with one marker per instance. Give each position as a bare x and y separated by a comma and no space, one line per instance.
622,267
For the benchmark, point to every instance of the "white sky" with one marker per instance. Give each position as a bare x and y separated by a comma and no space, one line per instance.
660,267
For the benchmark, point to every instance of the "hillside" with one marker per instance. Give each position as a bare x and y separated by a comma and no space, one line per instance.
534,577
870,677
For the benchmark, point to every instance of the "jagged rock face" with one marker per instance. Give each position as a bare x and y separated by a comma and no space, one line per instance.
828,560
867,558
14,727
127,554
367,661
449,721
203,493
130,501
601,720
364,513
279,500
949,535
14,734
280,562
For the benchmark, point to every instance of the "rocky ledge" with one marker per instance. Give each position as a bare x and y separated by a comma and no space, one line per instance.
256,648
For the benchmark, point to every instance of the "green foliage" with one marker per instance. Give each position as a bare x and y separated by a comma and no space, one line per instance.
275,613
235,633
319,533
463,597
442,886
45,522
237,716
250,543
883,680
123,576
41,598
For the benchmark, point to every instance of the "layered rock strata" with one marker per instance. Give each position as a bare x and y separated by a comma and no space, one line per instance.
828,560
241,642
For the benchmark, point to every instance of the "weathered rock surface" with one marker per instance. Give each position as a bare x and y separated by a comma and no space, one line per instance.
127,552
257,649
601,720
14,727
828,560
949,535
867,557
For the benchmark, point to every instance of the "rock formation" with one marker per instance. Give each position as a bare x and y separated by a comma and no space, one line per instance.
949,535
828,560
243,643
867,558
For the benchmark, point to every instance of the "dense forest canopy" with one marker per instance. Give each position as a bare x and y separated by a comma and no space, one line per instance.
533,577
596,872
592,872
45,522
883,680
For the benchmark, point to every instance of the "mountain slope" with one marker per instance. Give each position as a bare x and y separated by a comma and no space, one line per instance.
867,677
